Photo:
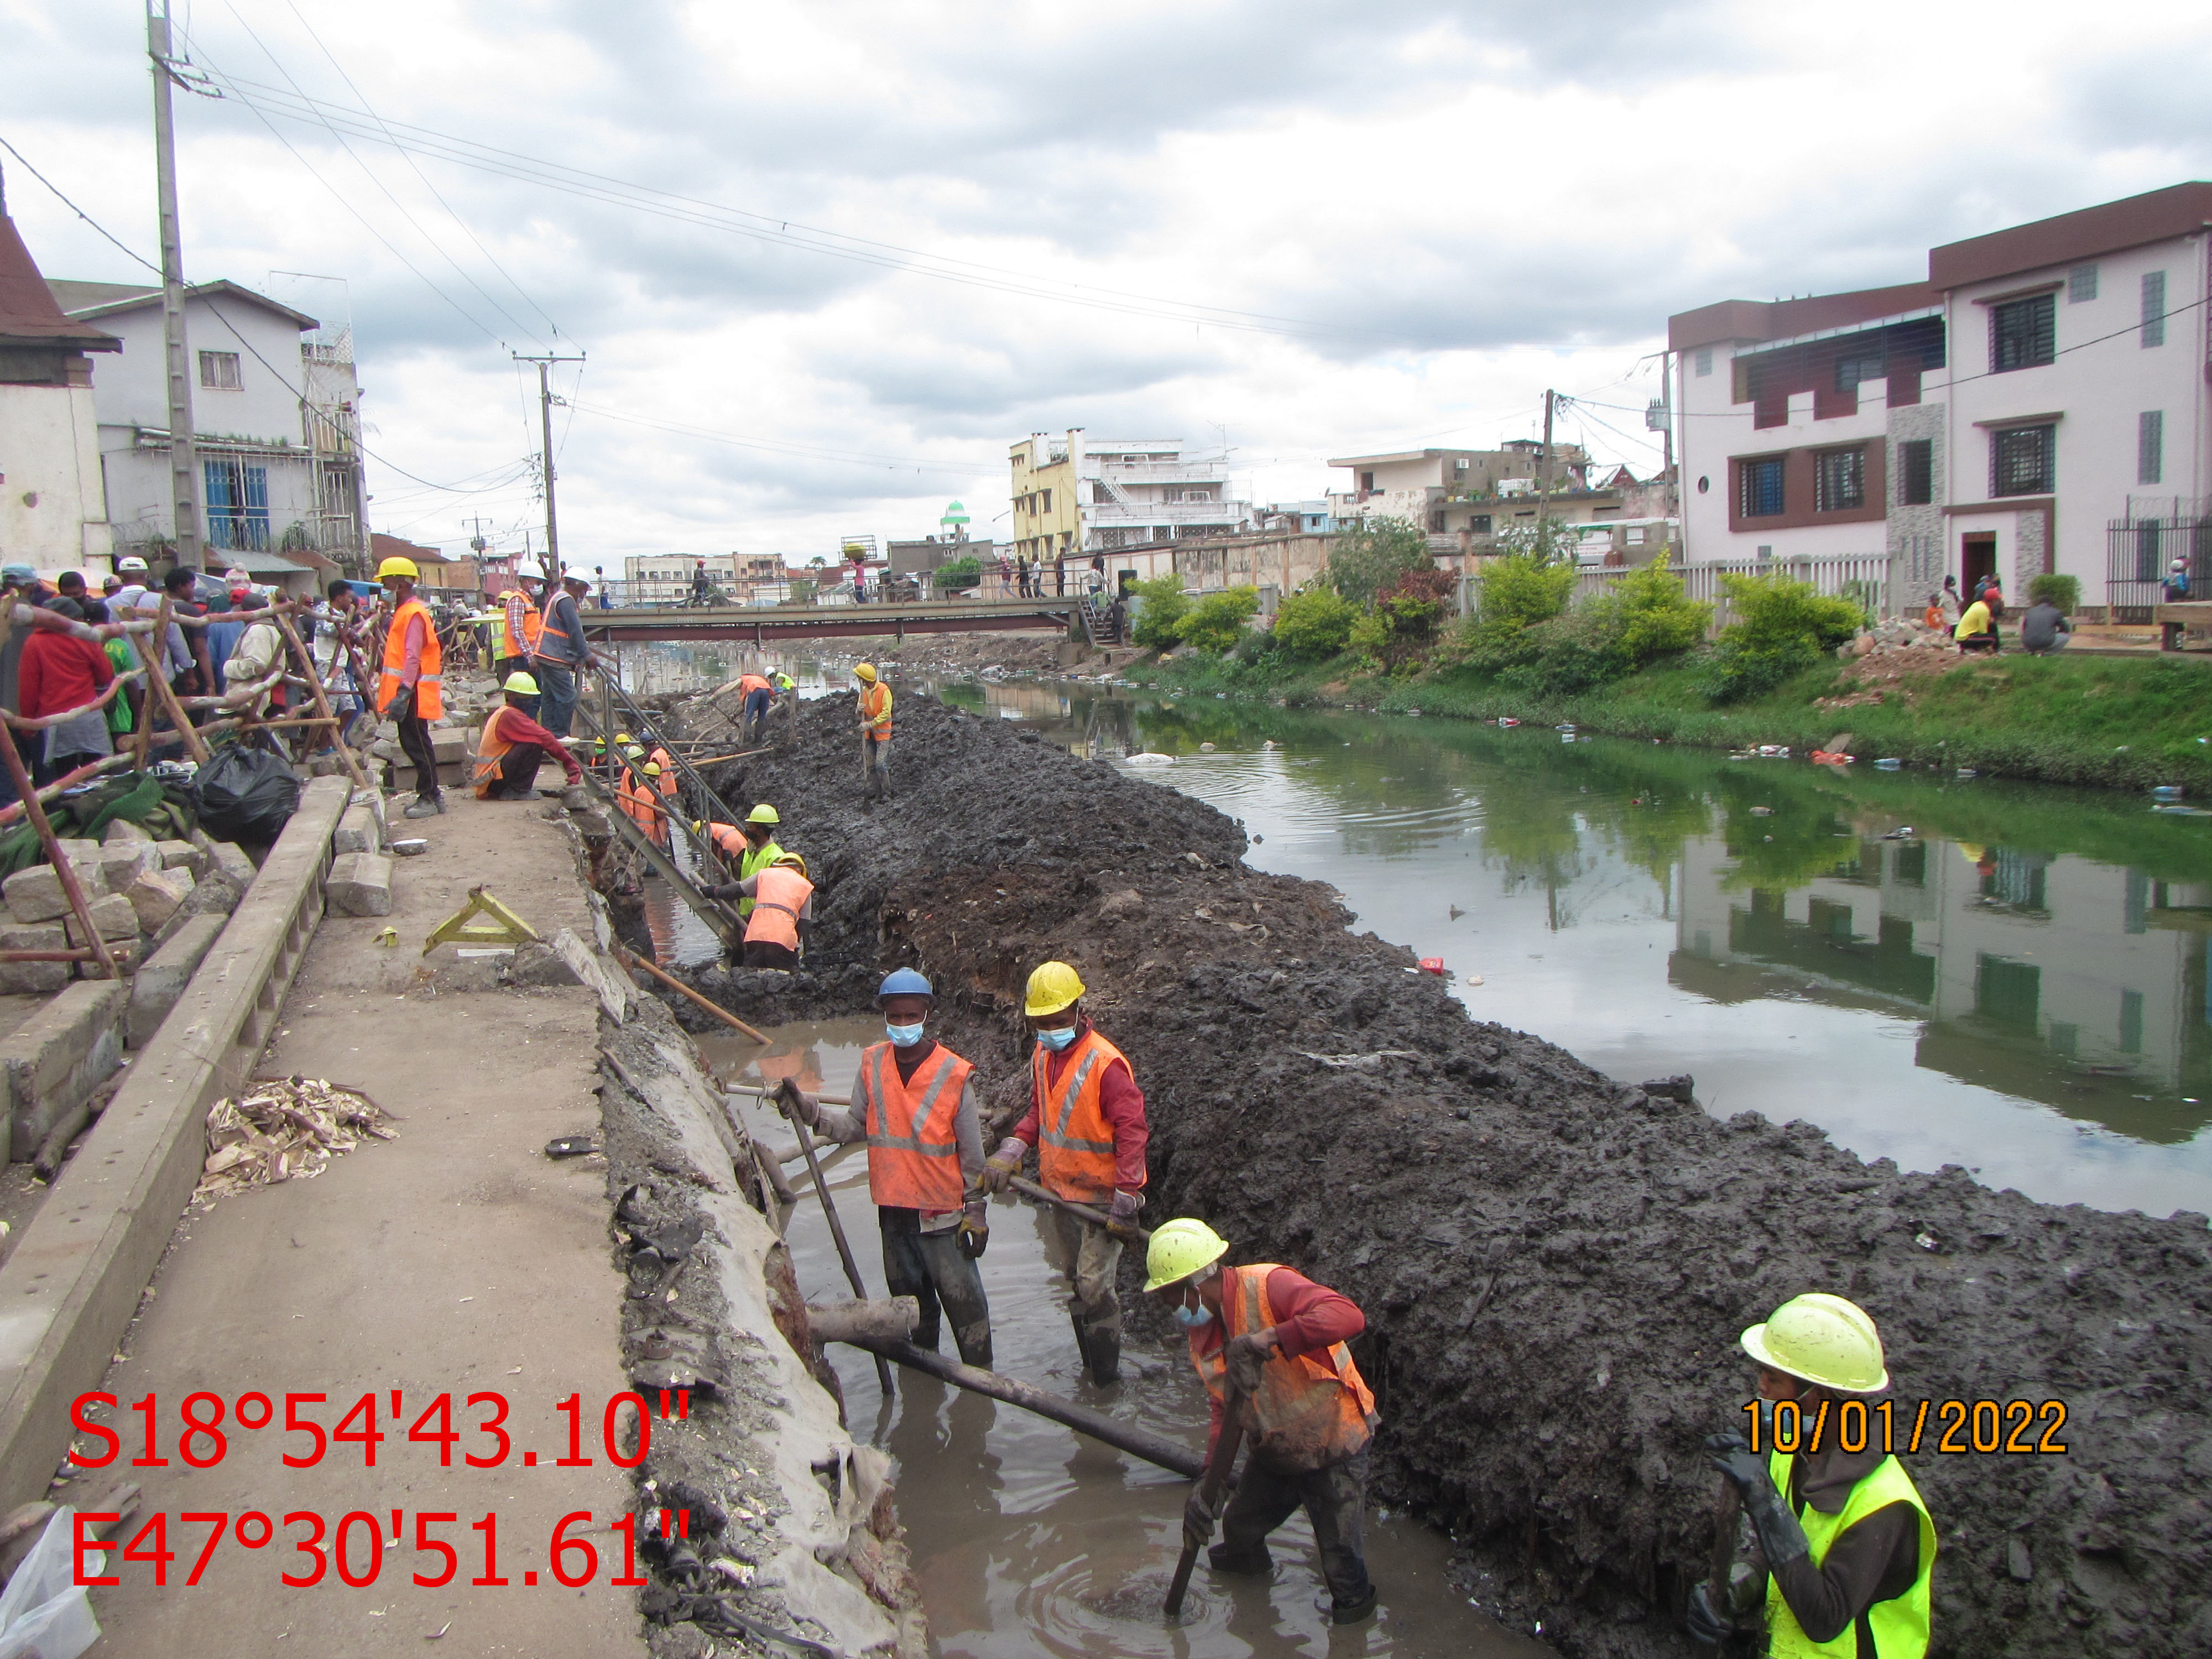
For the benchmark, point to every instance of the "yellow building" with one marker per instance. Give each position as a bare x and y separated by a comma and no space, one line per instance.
1048,513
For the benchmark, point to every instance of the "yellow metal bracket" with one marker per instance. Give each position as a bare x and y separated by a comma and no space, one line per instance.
507,928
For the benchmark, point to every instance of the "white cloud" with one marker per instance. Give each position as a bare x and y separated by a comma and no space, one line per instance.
1474,201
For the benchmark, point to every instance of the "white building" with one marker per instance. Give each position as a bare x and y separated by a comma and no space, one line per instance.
1083,495
2038,403
53,514
665,577
275,414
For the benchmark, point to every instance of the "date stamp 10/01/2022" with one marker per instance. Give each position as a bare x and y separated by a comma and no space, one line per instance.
1948,1427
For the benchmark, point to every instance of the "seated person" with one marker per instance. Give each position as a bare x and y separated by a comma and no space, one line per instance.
514,746
1975,631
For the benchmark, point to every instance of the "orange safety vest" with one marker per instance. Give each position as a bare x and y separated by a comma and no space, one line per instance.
1307,1414
429,686
1075,1143
913,1157
493,746
749,684
531,621
875,709
661,758
779,893
729,838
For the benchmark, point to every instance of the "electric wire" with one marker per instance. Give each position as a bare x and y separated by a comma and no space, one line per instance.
77,211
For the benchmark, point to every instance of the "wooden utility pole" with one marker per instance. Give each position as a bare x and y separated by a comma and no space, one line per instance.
545,454
184,458
1544,477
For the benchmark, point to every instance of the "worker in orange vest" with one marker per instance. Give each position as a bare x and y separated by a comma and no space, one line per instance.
1273,1342
914,1105
757,693
783,903
1086,1119
411,690
513,746
875,708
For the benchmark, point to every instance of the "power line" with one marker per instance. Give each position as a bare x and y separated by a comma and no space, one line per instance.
77,211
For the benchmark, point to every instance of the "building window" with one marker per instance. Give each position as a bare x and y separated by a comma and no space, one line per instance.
1856,367
237,505
1916,466
2080,284
2020,461
1478,523
1762,489
2153,308
1705,360
2022,333
1047,502
219,369
1838,480
1367,481
2150,447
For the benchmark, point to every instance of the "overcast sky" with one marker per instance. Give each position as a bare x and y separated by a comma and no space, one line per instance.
1305,227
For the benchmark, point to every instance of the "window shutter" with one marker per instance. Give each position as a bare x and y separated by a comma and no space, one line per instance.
2150,447
2080,284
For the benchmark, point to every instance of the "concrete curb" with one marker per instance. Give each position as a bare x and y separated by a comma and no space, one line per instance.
75,1280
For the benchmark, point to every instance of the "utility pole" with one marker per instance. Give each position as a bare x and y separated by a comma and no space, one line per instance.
184,458
1544,480
545,436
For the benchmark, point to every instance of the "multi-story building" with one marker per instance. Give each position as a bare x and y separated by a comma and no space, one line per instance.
665,577
1469,495
2038,403
1081,496
275,414
53,512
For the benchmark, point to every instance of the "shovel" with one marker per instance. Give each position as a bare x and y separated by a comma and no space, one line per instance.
1209,1485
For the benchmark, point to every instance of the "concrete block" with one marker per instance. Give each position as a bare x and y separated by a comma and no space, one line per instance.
58,1056
113,914
32,979
36,894
181,855
449,744
44,936
214,894
157,894
119,830
228,858
400,774
161,981
359,885
123,862
361,831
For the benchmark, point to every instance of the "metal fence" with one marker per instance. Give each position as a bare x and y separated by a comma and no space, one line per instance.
1862,576
2139,555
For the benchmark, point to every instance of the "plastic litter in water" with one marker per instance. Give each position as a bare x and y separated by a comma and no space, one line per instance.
1888,765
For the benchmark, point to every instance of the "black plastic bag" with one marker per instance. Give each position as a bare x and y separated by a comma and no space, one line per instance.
245,792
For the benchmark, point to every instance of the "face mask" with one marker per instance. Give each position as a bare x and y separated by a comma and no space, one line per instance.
1191,1318
904,1037
1057,1041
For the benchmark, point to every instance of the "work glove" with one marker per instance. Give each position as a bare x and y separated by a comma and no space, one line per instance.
794,1102
1714,1616
1004,1163
1198,1514
729,892
1126,1204
1245,1357
1731,1453
1781,1537
975,1232
1708,1624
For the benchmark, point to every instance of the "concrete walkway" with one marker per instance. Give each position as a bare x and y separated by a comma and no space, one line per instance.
456,1259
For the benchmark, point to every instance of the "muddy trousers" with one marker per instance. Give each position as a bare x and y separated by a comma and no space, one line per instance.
930,1269
875,766
1335,1501
1086,1257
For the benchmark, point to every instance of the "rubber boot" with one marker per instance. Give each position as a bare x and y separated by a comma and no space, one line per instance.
1104,1355
1082,1336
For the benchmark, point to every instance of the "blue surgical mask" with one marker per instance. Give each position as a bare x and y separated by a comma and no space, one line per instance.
904,1037
1057,1041
1191,1318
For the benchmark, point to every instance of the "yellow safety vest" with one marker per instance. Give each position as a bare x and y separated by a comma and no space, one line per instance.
1899,1625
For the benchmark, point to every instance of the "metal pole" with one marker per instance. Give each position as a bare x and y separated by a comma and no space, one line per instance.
837,1232
184,459
545,455
1544,478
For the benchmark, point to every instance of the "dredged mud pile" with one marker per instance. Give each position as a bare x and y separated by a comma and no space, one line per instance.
1555,1266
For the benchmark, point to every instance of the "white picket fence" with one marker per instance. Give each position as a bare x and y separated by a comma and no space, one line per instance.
1831,574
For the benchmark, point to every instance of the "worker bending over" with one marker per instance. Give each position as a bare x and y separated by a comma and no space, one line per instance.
661,758
915,1108
875,706
513,746
783,904
1844,1554
754,689
1272,1341
1086,1119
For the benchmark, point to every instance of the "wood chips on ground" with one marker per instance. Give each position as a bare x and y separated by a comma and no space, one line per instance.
287,1129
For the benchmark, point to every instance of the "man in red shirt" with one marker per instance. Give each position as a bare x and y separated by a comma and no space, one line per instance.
58,672
513,746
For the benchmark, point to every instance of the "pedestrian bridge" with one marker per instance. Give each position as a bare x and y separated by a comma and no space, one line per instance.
768,624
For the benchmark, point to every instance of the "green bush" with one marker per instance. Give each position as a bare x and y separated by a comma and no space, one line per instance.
955,574
1775,612
1736,672
1369,638
1161,604
2064,592
1656,619
1216,622
1373,555
1515,594
1315,622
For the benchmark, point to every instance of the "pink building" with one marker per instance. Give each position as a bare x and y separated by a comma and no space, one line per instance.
2038,403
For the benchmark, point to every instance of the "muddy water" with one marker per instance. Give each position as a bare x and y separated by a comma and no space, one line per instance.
1030,1539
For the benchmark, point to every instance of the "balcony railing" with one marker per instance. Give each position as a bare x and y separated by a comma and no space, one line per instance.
1166,472
1119,512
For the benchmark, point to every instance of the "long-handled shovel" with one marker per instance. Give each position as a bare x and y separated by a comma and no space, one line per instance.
836,1229
1209,1485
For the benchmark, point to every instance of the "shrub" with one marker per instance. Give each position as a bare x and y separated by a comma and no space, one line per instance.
1373,555
1736,671
1315,622
1369,638
1214,623
1656,619
1516,592
955,574
1773,612
2064,592
1161,604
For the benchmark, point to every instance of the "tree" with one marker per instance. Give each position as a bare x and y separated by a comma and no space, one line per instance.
1372,554
1216,621
1161,604
1315,622
2064,592
955,574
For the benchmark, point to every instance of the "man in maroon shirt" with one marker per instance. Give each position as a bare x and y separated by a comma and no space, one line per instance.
513,746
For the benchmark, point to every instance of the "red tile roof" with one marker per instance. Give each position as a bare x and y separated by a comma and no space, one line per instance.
28,314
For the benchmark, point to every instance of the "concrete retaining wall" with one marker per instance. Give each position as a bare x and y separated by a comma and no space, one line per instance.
57,1058
74,1280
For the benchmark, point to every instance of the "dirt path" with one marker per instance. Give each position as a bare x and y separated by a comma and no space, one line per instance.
1554,1265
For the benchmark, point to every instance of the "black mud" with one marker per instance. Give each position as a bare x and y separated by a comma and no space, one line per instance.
1554,1266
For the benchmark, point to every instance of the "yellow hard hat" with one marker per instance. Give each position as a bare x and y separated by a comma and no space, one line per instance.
397,566
867,670
1052,988
697,827
764,814
794,860
1179,1249
652,769
1821,1339
622,737
522,685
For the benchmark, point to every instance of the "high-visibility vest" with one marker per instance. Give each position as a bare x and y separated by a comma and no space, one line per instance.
429,686
779,893
547,631
661,758
531,621
876,708
1897,1628
493,746
749,684
1307,1413
913,1157
751,862
1075,1143
730,839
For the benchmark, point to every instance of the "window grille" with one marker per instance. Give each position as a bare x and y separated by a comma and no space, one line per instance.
2020,461
2153,308
1916,465
1762,495
1838,480
2080,284
2150,447
2023,333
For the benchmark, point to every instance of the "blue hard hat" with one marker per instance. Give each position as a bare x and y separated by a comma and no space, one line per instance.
903,983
